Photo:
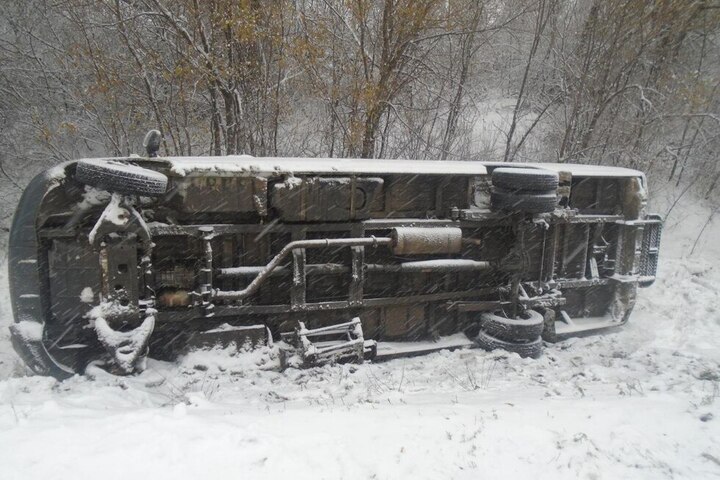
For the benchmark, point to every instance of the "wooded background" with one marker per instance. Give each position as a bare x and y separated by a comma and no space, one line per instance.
612,82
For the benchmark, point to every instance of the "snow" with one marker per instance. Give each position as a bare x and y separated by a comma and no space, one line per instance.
127,346
339,166
639,402
92,197
577,169
113,213
291,183
458,340
226,327
56,173
29,330
87,295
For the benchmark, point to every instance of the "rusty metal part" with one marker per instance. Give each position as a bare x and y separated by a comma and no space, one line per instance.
403,321
174,298
426,241
290,247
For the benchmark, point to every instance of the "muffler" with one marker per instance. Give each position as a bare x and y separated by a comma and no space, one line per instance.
426,240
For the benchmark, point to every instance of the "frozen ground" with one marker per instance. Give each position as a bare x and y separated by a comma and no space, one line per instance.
641,402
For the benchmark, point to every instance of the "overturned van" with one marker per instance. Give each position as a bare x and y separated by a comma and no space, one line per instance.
114,260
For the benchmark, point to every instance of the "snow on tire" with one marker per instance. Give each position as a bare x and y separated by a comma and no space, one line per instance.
119,177
532,349
525,179
529,326
540,202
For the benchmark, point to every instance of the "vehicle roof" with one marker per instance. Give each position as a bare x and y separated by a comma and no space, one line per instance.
340,166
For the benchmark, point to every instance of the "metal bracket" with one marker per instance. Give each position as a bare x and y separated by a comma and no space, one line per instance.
115,236
120,216
343,342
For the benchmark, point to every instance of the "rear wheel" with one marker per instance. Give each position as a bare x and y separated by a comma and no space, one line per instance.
527,327
532,349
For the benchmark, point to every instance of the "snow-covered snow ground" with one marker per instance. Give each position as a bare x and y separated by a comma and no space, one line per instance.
641,402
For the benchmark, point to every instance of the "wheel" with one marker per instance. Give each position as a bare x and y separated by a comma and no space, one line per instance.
540,202
531,349
118,177
528,326
525,179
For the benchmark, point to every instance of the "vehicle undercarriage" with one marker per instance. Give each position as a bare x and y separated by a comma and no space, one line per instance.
116,260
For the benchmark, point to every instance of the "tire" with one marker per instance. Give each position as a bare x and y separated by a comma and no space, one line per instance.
118,177
525,179
531,349
526,328
536,202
